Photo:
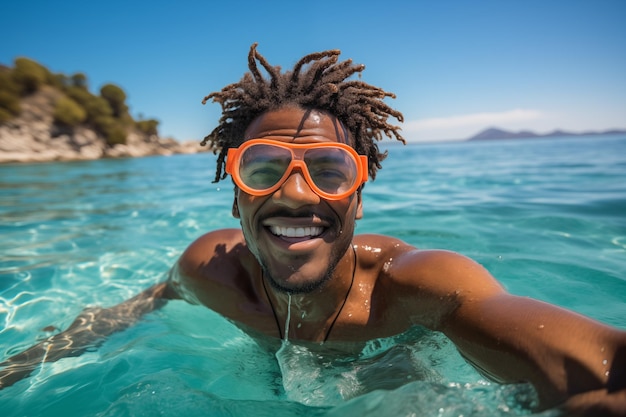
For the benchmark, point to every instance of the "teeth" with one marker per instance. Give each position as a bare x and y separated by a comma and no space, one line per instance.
296,231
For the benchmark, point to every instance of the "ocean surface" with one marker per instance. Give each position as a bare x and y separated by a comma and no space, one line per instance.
546,216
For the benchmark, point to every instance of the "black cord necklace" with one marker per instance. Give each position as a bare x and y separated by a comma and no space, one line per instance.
280,332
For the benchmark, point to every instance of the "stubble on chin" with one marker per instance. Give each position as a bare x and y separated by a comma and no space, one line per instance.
304,288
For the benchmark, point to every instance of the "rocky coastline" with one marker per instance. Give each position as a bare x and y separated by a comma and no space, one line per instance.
33,136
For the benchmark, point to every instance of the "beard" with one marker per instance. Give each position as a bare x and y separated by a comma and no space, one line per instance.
304,288
315,282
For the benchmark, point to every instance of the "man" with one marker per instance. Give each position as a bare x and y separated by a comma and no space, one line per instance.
299,147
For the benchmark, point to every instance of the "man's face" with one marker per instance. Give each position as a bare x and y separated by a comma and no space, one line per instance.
297,236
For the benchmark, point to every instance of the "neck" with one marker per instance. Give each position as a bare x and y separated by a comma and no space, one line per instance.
313,315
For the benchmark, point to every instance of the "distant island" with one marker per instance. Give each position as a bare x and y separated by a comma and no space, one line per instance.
493,133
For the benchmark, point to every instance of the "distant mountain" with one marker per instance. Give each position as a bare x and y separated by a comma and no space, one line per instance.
497,134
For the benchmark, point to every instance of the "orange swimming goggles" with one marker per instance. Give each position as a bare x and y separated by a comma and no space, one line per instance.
333,170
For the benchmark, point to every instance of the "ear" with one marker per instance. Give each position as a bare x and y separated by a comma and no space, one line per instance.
236,209
359,206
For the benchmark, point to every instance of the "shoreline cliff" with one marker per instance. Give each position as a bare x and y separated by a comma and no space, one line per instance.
33,136
54,117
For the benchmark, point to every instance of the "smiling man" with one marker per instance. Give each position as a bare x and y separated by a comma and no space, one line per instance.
299,147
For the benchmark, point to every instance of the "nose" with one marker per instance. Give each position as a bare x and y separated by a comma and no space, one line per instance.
295,192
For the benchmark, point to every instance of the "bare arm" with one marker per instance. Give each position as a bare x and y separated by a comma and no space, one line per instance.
89,330
513,339
561,353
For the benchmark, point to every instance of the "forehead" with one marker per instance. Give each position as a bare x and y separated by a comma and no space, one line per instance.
291,124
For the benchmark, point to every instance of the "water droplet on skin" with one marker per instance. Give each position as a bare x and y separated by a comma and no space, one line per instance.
541,326
387,265
604,362
371,249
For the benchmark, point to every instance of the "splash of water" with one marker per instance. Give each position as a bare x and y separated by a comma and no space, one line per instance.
305,377
286,339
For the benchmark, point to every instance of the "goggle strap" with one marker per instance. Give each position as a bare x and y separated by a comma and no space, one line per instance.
364,168
230,159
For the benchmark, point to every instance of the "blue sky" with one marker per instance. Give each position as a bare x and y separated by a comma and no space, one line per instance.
456,66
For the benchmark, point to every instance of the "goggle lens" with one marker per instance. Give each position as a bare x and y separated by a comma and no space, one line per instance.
262,166
333,170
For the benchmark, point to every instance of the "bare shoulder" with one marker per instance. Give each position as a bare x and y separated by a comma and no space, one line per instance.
444,270
425,286
220,244
406,265
373,250
213,264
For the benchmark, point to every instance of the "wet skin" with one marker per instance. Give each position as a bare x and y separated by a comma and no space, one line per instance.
396,286
246,274
270,224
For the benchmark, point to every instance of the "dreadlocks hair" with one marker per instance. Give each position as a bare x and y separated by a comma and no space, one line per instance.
318,82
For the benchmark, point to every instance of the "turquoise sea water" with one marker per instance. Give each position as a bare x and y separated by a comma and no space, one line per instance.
546,217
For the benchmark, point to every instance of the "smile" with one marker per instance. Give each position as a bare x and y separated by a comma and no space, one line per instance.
283,231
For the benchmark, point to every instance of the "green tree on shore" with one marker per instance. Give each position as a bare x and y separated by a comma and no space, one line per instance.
9,95
29,75
69,113
107,113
